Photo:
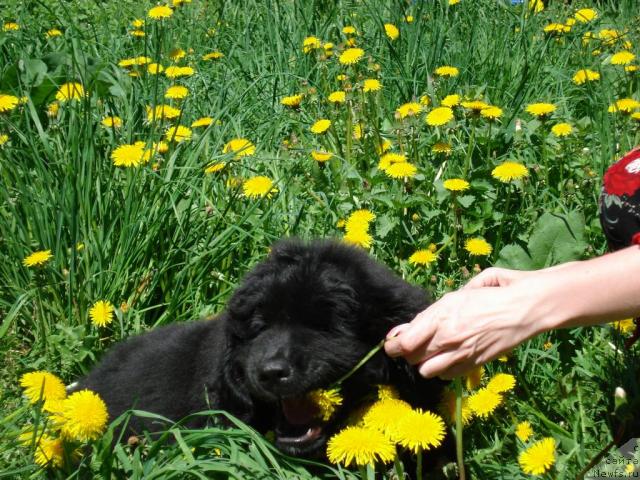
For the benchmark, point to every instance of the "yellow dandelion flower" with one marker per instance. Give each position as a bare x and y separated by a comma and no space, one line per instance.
385,413
215,167
391,31
155,68
451,100
585,75
556,28
327,402
439,116
52,109
138,33
49,452
351,56
70,91
371,85
539,457
38,258
137,23
176,92
259,186
337,97
311,43
360,217
622,58
387,392
212,56
453,2
175,72
176,54
84,416
162,112
53,32
241,147
442,147
178,134
202,122
501,383
456,185
478,246
358,237
10,26
447,71
401,170
320,156
160,147
320,126
425,100
389,159
562,129
631,68
384,146
448,407
349,30
541,109
475,105
357,131
418,431
409,109
473,379
626,105
292,101
361,445
42,385
625,326
585,15
101,313
111,122
483,402
160,12
536,6
130,155
524,431
423,257
4,138
491,112
509,171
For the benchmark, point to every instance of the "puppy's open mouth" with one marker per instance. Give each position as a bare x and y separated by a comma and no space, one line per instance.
299,428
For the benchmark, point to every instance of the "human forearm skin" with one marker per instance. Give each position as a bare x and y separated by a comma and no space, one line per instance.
590,292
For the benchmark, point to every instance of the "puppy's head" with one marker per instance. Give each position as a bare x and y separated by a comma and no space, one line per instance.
304,318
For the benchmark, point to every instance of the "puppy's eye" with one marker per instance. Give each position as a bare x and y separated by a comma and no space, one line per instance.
255,325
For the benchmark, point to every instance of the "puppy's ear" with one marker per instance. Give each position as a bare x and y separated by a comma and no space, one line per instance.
288,251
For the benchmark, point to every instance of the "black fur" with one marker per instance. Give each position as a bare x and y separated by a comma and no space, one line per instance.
300,320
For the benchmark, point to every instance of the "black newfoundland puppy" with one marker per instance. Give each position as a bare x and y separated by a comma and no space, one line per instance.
301,320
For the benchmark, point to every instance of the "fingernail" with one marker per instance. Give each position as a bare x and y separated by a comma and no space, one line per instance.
395,331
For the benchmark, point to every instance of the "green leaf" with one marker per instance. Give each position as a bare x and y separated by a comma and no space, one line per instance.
557,239
514,256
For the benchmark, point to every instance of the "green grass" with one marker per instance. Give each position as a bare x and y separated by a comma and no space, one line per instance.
170,243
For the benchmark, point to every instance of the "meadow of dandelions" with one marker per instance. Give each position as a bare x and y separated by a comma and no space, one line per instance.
152,152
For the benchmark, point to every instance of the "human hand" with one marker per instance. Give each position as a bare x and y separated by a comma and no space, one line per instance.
470,326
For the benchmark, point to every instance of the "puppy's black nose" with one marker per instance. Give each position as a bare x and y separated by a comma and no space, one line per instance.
274,372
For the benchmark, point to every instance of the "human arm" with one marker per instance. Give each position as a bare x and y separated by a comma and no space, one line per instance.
500,309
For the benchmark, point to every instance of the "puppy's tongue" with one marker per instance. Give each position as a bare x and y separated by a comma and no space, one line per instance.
299,410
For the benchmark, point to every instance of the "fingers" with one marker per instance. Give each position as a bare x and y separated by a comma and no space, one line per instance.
494,277
411,340
447,365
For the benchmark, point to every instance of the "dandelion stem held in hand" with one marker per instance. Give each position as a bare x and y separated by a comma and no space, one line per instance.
459,451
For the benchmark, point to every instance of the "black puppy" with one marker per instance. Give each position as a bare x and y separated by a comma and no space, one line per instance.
300,321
